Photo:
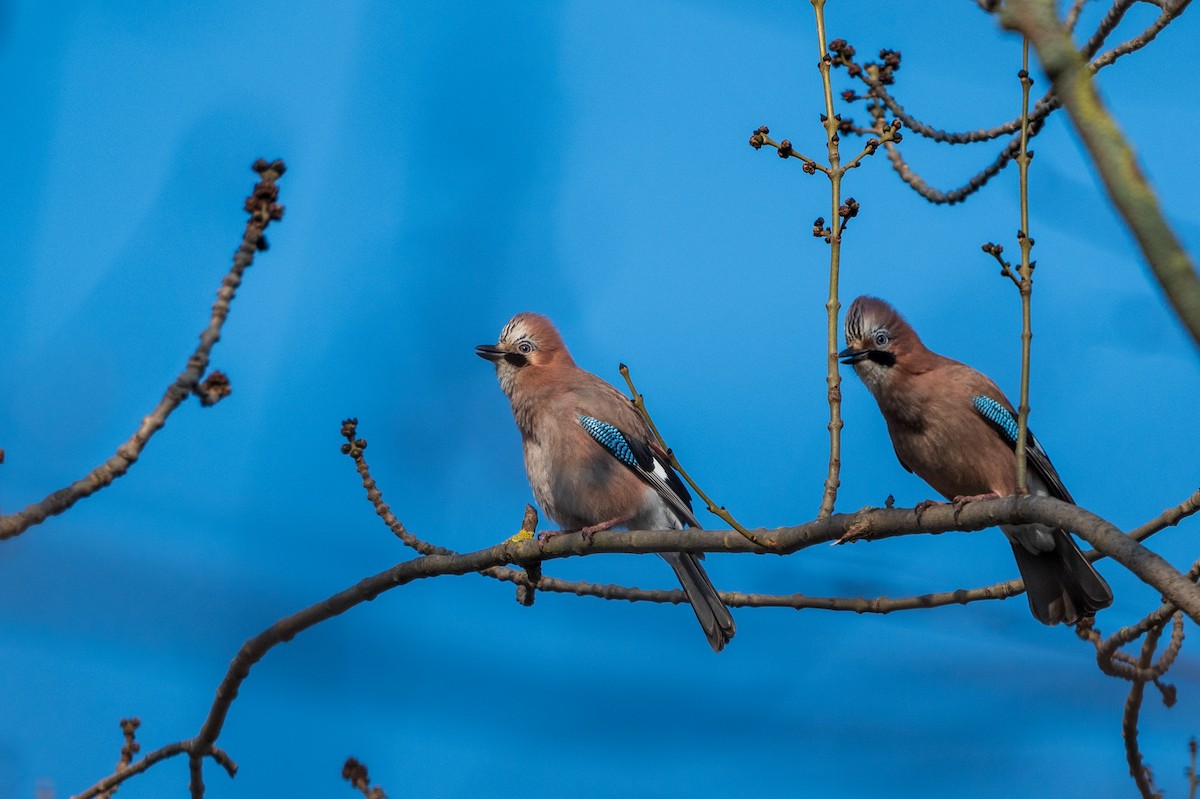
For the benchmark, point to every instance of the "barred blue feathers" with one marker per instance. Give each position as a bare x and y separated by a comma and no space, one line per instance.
610,438
998,415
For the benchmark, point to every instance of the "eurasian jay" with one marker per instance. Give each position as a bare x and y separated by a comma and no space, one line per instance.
956,430
589,456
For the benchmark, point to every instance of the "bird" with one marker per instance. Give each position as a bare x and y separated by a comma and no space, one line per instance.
955,429
590,456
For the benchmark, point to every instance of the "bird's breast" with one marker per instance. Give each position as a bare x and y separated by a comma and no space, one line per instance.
957,453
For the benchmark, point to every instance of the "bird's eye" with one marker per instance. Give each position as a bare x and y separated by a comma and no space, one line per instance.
881,338
525,348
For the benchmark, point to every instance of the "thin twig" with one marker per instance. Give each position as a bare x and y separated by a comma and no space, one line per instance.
639,402
1168,518
761,138
1142,39
1045,105
1037,118
1112,156
996,251
836,52
128,750
1129,723
1108,23
1117,664
1073,14
152,759
833,306
263,210
1025,270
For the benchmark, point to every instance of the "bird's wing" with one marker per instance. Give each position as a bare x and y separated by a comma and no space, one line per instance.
1004,423
637,454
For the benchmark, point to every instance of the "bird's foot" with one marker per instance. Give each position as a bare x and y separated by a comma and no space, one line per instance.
546,536
925,505
589,532
962,501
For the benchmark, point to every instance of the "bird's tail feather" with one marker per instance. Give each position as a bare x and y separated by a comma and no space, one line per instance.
1060,583
714,617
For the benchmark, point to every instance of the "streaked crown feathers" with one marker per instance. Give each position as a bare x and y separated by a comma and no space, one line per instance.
532,328
868,315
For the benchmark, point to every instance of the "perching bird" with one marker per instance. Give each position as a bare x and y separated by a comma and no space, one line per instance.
954,428
589,456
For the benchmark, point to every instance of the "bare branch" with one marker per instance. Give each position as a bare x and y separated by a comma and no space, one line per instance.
760,137
1025,270
1037,117
263,209
110,783
1114,160
883,605
867,524
875,523
1168,518
639,402
1129,723
128,750
153,758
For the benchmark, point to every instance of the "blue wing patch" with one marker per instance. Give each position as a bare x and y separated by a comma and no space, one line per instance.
610,438
998,415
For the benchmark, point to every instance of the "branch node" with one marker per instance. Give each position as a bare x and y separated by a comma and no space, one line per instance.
215,388
533,568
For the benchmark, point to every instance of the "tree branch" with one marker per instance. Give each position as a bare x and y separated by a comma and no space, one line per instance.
1129,722
869,523
1114,160
1045,106
263,209
882,605
876,523
152,759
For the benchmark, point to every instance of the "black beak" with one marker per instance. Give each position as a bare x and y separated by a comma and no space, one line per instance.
851,355
494,354
489,352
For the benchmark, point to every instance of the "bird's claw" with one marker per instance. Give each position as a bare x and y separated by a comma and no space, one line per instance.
546,536
925,505
963,501
589,532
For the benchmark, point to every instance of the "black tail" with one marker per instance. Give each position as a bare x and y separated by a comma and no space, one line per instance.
1060,583
714,617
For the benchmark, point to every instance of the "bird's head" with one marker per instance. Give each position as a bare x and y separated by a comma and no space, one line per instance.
528,344
877,338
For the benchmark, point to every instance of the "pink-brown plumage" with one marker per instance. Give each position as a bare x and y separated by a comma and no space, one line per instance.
927,401
576,481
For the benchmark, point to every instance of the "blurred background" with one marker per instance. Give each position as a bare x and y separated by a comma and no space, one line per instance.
450,165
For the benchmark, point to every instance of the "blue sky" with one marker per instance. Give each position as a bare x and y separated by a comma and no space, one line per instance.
450,166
